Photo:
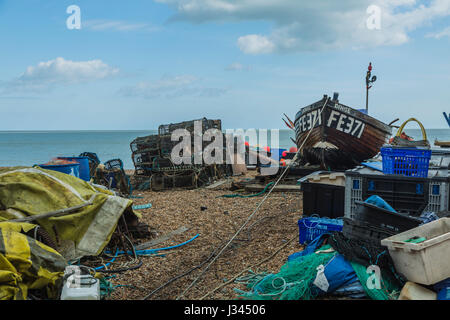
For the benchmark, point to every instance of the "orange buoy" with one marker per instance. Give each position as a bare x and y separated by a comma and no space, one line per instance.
283,162
293,149
284,154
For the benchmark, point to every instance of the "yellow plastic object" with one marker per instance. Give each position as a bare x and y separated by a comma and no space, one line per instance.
27,264
400,130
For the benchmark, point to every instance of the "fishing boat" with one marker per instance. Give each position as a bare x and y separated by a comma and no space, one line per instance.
337,136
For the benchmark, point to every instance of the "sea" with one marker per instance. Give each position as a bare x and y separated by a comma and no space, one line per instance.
28,148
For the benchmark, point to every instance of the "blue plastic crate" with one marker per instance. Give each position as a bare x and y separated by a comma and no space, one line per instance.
311,227
411,162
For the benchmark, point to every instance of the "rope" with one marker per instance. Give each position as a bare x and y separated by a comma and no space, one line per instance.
180,276
259,205
249,268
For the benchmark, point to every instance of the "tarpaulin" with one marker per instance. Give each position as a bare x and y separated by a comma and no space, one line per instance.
338,272
28,191
27,264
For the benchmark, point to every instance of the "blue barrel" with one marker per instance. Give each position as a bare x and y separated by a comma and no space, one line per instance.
72,169
84,166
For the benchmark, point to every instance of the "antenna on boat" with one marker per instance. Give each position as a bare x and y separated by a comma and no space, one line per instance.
369,82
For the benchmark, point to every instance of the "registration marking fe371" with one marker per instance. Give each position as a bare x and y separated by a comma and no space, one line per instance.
336,120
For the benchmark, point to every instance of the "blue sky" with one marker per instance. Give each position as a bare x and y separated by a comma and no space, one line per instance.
137,64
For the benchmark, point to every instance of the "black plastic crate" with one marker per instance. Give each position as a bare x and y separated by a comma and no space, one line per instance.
359,230
408,195
379,217
324,200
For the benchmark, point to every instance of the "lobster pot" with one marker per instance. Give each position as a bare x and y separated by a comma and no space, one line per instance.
141,144
163,181
190,126
144,159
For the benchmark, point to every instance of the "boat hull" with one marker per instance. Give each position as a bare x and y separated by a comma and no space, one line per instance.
337,136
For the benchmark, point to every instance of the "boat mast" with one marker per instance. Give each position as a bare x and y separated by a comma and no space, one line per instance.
369,82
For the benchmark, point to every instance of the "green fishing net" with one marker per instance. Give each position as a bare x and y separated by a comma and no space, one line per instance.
387,289
292,282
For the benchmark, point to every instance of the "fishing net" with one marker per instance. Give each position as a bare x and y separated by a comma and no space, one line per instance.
366,253
294,280
387,289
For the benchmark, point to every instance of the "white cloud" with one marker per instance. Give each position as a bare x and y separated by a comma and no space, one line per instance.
236,66
63,72
117,25
171,87
440,34
255,44
315,25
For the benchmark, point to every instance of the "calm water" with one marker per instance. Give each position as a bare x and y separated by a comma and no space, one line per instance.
37,147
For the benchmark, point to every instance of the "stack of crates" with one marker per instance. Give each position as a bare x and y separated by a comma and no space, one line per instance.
409,196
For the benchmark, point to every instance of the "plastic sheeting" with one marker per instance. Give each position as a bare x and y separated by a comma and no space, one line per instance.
26,264
31,191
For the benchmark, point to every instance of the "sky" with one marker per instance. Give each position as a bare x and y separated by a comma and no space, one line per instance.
133,65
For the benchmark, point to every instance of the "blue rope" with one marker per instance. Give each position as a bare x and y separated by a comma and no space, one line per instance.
152,251
378,256
113,259
142,206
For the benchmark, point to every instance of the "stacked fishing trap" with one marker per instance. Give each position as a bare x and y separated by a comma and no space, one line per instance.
154,168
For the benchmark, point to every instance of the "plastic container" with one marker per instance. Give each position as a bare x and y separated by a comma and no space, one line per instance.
72,169
88,289
412,196
383,218
312,227
84,166
413,291
323,200
359,230
335,178
411,162
426,262
78,285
